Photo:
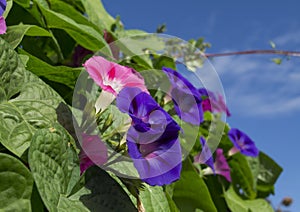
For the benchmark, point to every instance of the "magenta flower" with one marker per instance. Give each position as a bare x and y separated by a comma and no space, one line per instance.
93,152
221,165
152,139
205,156
242,143
2,20
112,77
213,103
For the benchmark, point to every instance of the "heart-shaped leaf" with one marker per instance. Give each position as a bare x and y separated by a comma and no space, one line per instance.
54,164
16,185
26,102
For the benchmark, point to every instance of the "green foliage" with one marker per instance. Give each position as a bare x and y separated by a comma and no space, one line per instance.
26,102
45,43
154,199
97,14
59,74
100,192
190,192
85,35
269,172
242,177
54,164
16,184
15,34
237,204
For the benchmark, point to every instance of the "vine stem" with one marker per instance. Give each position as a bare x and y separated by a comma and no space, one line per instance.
272,51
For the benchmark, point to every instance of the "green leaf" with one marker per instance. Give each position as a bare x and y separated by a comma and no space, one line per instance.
164,61
23,3
136,47
54,164
102,193
242,177
16,184
85,35
66,205
68,10
253,163
172,205
154,199
190,192
97,14
269,170
237,204
214,185
15,34
26,102
60,74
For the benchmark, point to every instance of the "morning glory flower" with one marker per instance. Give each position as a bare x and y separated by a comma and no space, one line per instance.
213,103
242,143
2,20
2,7
152,139
186,98
93,152
205,156
111,76
221,166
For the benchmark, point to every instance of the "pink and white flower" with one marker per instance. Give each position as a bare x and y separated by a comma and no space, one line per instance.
112,77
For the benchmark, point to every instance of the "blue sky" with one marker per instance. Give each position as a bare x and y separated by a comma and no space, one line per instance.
264,98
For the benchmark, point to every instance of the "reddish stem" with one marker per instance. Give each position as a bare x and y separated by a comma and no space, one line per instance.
272,51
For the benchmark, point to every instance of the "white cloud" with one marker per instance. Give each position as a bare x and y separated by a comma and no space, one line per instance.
288,38
255,86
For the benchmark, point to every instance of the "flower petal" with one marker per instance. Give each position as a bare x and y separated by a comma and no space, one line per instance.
111,76
205,156
2,6
152,139
186,98
93,152
212,103
160,167
243,143
221,165
2,25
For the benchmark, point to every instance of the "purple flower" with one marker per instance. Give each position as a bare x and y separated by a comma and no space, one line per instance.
2,7
186,98
152,139
2,20
205,156
221,165
212,103
242,143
